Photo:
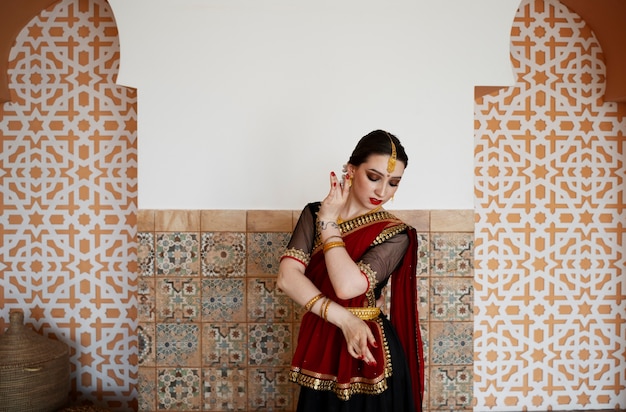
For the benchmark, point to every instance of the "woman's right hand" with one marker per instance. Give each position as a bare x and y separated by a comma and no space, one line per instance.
335,200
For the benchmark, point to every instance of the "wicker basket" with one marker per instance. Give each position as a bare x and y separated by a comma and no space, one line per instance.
34,370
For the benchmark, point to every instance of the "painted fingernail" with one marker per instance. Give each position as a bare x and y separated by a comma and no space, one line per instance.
334,183
333,174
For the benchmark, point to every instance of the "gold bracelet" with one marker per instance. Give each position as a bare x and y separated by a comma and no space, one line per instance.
311,302
322,307
328,302
331,245
334,236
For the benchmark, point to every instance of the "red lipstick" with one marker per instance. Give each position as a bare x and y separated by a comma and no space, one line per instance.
375,201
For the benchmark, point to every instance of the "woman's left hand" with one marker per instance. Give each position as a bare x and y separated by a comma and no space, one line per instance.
359,338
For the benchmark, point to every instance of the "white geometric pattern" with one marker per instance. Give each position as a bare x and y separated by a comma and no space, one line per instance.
68,196
550,329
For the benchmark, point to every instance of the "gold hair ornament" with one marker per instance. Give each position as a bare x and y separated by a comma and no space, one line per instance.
391,164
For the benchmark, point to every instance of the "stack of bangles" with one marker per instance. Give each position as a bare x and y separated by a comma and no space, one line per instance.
323,308
330,245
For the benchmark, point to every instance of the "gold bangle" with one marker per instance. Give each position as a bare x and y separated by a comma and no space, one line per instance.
328,302
334,236
322,307
311,302
331,245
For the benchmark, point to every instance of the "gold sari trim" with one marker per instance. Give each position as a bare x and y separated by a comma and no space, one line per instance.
388,233
357,384
297,254
363,220
365,313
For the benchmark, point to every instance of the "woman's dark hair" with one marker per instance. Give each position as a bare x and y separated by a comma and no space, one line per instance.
377,142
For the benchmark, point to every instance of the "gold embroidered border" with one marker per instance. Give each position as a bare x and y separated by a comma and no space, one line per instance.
357,222
388,233
297,254
370,274
365,313
321,382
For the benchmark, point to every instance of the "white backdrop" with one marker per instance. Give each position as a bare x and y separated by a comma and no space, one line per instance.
249,104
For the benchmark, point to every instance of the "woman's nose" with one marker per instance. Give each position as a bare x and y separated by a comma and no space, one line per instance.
380,191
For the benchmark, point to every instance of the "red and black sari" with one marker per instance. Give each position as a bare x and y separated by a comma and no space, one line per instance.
331,379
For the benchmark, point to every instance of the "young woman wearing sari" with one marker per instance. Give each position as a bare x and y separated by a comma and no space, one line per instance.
342,253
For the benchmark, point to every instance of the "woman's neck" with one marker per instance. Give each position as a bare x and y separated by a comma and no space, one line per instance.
350,213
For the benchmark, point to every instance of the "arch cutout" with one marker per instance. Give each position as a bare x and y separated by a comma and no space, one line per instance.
606,19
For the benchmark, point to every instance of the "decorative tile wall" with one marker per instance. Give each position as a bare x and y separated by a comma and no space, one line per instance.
550,328
215,334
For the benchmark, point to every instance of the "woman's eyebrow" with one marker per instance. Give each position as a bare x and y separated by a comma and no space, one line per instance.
384,175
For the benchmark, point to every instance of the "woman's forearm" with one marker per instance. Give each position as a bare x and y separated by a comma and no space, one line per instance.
347,279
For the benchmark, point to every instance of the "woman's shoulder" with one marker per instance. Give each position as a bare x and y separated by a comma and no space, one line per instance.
312,207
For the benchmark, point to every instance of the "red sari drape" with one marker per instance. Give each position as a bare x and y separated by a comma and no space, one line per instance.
321,360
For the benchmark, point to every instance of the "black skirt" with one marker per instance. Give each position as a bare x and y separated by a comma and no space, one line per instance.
397,397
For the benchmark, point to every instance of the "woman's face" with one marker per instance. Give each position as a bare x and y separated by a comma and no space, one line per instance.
372,184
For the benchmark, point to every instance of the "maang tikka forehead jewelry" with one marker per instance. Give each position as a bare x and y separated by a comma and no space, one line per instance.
391,164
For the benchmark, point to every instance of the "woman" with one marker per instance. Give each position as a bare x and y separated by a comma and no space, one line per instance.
343,251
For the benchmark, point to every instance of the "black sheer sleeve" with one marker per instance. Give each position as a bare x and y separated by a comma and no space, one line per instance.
383,259
302,239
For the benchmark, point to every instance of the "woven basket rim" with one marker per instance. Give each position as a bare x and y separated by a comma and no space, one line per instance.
21,346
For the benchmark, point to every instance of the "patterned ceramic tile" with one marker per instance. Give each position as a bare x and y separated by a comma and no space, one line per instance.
225,389
248,323
451,254
177,254
451,343
146,390
264,252
423,254
224,345
423,294
146,344
426,397
267,303
223,300
269,389
223,254
451,388
146,299
452,299
269,344
177,344
425,332
145,253
178,299
179,389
